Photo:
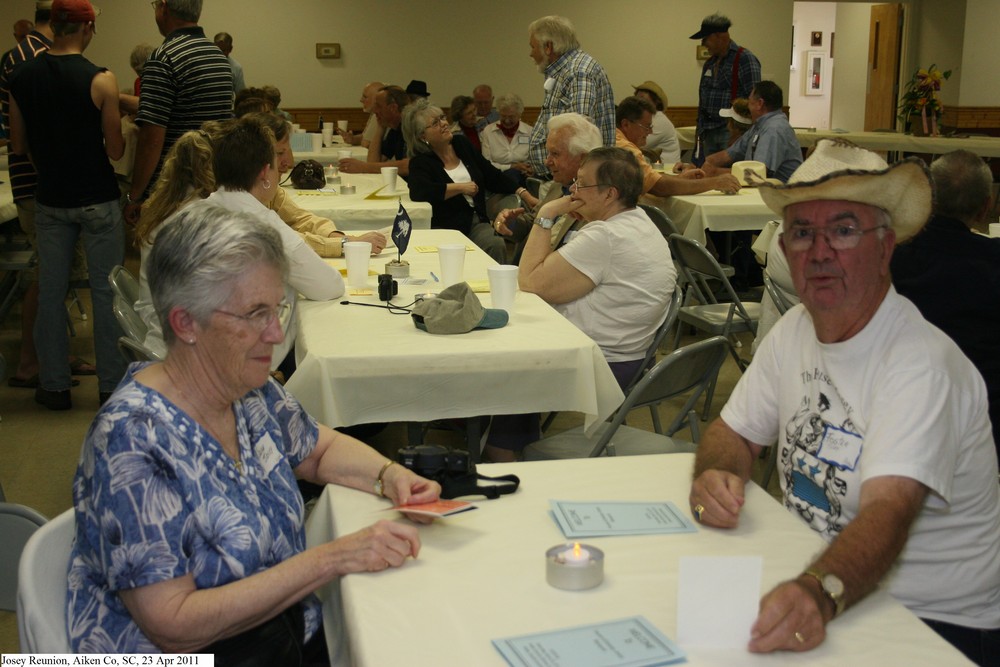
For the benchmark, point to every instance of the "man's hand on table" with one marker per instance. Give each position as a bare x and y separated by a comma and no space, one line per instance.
716,498
791,618
377,240
727,183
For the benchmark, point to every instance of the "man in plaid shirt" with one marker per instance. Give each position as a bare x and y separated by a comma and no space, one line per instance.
574,81
730,72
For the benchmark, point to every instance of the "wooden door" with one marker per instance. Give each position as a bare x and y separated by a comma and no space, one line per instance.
885,40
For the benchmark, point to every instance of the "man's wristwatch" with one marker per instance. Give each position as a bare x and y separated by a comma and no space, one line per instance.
832,587
343,242
379,482
545,223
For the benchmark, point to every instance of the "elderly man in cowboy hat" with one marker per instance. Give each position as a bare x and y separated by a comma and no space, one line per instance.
884,441
662,143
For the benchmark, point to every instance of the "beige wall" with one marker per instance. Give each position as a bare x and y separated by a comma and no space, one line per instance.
978,70
453,46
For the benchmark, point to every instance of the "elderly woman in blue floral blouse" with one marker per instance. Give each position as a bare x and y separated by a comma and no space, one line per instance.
189,532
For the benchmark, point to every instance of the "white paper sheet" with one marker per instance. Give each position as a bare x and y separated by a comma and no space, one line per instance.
717,600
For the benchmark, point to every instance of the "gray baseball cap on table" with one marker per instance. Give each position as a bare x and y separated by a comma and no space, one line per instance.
456,310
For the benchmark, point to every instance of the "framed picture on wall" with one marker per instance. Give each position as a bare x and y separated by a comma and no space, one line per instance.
815,82
817,38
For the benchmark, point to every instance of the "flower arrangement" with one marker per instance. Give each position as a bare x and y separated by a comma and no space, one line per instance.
922,97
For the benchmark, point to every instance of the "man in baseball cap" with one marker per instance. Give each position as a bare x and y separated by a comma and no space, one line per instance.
885,447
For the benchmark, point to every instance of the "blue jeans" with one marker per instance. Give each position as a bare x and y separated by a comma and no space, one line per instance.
712,141
103,232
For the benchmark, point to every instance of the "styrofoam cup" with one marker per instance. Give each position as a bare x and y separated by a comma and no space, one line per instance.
317,140
327,137
342,125
452,256
358,254
995,229
503,286
389,175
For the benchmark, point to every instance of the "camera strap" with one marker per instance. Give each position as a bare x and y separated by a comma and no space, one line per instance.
468,485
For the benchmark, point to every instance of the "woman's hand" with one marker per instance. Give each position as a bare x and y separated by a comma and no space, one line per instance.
469,188
500,224
557,207
378,547
350,165
524,168
404,487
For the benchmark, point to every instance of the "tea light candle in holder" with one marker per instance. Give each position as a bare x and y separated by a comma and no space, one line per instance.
347,189
574,567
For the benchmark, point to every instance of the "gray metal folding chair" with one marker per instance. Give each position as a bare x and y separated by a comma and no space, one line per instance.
41,596
781,302
661,332
17,524
124,284
129,320
661,220
533,185
133,350
717,319
15,261
689,370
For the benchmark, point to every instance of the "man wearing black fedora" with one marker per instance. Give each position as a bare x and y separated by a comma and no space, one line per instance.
885,446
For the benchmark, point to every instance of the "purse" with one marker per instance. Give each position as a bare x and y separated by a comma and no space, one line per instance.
278,641
308,175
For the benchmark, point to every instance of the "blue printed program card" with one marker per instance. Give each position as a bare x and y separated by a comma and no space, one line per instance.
606,518
628,642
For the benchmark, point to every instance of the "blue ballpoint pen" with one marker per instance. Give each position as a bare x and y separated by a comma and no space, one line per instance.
434,277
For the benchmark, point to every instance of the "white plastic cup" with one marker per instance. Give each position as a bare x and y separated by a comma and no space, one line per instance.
389,175
342,125
296,127
452,256
343,154
327,137
328,126
317,140
995,229
503,286
358,254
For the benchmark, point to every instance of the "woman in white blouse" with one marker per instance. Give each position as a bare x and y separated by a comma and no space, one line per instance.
505,143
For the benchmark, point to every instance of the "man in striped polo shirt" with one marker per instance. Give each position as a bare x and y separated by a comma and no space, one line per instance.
186,81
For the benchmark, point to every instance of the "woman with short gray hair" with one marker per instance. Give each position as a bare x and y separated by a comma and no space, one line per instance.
506,142
448,172
189,520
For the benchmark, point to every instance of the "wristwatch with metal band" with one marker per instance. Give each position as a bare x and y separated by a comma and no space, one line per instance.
832,587
545,223
379,483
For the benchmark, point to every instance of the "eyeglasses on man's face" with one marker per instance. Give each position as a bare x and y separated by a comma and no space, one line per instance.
841,236
577,186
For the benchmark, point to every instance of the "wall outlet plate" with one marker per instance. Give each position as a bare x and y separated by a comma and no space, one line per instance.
327,51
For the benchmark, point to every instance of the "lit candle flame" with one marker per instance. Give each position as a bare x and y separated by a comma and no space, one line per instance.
576,550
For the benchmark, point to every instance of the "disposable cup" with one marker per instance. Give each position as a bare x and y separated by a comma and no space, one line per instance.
328,126
342,125
296,127
995,229
327,136
343,154
503,286
389,177
317,140
452,257
358,254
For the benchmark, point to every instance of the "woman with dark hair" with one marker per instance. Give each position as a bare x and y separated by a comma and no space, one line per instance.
447,171
463,120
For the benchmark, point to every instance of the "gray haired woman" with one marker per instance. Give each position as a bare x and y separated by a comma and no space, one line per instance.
447,171
506,142
189,533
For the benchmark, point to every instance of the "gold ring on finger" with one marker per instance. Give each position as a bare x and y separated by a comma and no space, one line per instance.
800,638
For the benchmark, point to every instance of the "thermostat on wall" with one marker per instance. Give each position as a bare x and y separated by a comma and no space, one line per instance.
328,50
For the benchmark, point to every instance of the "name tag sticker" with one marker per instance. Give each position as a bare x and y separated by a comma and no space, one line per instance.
267,454
840,448
523,139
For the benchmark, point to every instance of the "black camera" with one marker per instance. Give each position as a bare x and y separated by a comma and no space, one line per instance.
387,287
434,461
454,471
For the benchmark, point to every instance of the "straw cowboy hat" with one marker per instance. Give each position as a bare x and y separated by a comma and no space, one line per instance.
840,170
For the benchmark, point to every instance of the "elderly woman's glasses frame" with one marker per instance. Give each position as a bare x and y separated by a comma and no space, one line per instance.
839,237
436,122
575,185
261,318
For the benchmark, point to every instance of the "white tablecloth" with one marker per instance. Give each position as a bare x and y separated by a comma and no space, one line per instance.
330,155
359,211
693,214
883,141
358,365
481,575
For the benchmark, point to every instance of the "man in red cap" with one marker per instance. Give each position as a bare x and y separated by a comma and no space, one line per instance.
77,193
